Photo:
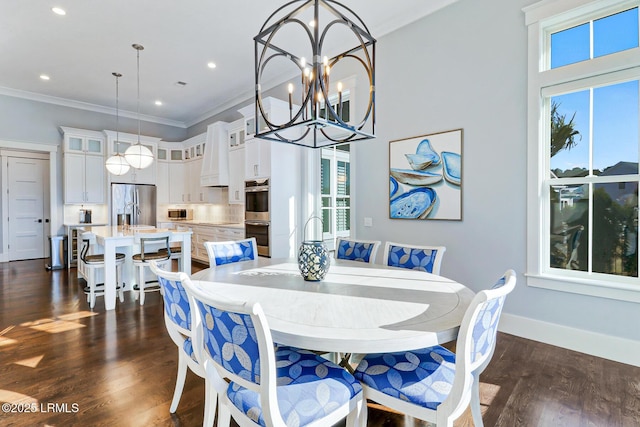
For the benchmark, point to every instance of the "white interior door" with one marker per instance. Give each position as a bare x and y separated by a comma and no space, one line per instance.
26,207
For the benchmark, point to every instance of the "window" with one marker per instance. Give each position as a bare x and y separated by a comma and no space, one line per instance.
584,121
340,105
335,178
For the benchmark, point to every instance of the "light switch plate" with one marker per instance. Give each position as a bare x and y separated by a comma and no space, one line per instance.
368,222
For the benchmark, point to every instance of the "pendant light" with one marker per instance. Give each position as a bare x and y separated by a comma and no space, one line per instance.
138,156
325,115
117,164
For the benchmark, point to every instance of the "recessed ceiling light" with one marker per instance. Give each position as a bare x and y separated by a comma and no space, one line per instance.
158,102
211,65
58,11
44,77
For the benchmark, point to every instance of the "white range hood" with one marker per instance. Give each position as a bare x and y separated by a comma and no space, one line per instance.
215,164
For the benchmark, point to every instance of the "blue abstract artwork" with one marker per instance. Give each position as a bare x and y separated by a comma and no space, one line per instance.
425,177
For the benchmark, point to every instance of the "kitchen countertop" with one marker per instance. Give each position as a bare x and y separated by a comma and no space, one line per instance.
115,232
208,223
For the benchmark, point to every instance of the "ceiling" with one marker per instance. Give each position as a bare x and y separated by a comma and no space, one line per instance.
80,50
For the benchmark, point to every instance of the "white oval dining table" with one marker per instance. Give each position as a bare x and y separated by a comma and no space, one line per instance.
357,308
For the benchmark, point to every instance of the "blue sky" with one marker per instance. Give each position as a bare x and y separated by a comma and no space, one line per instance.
615,107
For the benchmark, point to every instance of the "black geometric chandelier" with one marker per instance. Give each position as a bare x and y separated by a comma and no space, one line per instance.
306,38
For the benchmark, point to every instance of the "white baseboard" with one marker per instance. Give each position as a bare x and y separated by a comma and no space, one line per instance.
608,347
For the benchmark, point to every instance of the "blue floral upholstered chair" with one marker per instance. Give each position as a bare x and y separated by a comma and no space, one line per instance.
269,386
425,258
357,250
177,319
231,251
434,384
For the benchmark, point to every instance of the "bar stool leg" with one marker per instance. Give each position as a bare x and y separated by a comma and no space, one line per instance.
92,286
141,283
119,282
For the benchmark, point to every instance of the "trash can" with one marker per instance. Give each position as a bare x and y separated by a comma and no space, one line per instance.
58,252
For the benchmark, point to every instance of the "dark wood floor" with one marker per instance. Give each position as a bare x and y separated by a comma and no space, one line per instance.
91,368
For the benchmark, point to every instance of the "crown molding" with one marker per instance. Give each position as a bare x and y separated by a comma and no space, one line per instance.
63,102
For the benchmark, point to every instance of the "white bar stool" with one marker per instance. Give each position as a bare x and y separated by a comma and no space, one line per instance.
88,266
161,254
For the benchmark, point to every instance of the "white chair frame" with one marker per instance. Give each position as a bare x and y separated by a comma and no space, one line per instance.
466,383
374,251
436,263
354,410
179,334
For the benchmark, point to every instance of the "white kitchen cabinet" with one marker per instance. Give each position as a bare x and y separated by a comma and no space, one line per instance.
84,179
85,144
162,182
84,169
211,233
197,193
257,158
177,186
236,134
236,176
193,192
202,234
258,152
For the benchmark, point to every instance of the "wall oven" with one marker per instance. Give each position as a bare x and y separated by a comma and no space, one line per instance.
256,215
256,200
259,230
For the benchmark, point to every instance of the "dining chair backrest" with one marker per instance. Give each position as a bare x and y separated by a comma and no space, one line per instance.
231,251
152,242
357,250
477,338
424,258
235,337
177,310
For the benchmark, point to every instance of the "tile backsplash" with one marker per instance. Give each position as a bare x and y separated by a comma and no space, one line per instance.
99,214
208,212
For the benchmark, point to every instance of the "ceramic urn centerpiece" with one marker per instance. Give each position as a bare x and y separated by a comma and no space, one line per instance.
313,257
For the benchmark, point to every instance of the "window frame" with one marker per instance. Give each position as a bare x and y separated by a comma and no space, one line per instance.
542,19
334,156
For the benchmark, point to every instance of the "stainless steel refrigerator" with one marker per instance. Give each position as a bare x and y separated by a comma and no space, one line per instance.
133,203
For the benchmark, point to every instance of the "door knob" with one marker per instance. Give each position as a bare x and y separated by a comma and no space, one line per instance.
38,220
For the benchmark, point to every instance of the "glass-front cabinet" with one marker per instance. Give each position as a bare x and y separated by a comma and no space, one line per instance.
84,171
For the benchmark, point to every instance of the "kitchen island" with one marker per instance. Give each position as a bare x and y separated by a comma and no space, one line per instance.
112,237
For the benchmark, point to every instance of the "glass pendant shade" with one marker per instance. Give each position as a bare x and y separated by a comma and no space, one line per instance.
117,165
138,156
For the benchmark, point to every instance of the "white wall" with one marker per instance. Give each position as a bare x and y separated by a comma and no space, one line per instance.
466,67
32,121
